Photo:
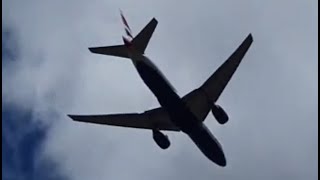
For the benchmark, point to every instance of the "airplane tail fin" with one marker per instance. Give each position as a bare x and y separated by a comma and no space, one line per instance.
138,43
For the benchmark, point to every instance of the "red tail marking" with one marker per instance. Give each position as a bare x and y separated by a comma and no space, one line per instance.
128,33
127,42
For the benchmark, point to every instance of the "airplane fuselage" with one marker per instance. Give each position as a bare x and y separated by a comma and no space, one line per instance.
178,111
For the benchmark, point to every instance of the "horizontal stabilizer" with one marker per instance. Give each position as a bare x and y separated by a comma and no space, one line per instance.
118,50
140,42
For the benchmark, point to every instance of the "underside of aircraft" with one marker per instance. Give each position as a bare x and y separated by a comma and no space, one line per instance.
199,101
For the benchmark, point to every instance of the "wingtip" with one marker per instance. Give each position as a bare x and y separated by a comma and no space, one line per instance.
250,37
155,20
90,49
71,116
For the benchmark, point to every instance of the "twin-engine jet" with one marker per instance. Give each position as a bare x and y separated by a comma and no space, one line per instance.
186,113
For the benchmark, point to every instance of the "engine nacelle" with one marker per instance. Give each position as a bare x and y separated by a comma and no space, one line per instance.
161,139
220,115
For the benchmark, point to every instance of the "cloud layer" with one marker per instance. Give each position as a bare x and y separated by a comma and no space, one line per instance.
272,99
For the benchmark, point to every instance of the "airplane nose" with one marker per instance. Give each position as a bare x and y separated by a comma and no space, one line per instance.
216,155
221,161
209,146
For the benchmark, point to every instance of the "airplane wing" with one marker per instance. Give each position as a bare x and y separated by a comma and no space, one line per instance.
155,118
200,100
215,85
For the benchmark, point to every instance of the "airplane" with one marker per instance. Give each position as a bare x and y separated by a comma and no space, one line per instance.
186,114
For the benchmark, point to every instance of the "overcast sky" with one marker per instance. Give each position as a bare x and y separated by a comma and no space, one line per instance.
48,72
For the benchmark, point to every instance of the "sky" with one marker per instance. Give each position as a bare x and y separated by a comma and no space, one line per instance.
48,72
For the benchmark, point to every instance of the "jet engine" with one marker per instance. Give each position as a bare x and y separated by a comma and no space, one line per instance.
161,139
220,115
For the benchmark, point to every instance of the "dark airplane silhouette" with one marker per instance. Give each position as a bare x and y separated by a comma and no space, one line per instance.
184,114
